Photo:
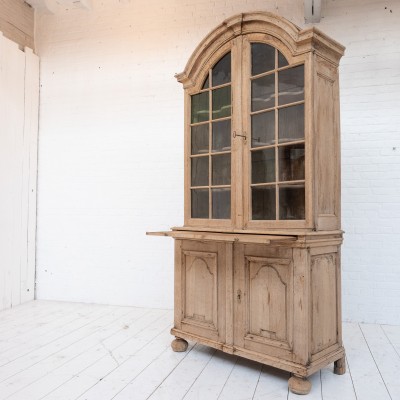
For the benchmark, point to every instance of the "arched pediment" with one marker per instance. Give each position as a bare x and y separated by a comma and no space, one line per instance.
293,39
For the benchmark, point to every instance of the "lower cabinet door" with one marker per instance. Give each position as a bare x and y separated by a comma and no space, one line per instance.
200,294
263,310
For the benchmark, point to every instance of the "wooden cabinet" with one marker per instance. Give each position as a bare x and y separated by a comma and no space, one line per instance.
257,262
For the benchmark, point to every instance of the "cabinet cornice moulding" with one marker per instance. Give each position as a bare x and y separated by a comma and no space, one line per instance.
296,40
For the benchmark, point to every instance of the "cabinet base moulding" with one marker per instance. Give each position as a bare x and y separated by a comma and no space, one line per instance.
297,369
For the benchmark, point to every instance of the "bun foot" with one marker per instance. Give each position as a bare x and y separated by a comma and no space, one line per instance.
340,366
179,345
298,385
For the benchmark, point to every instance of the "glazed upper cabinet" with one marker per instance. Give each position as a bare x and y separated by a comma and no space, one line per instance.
261,131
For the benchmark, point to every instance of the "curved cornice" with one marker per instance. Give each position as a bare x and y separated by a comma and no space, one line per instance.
297,41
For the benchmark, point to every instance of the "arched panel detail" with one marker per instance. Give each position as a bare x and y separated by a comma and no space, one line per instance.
200,294
268,302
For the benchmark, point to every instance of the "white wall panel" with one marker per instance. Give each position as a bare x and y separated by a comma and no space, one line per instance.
19,91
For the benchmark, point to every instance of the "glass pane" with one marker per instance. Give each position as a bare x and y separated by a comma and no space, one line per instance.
263,93
291,202
291,123
263,203
200,171
221,102
291,85
263,129
263,166
199,139
221,73
206,83
262,58
291,162
221,203
282,62
221,169
200,107
200,203
221,135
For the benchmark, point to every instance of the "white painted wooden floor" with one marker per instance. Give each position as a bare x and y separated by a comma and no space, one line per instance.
54,350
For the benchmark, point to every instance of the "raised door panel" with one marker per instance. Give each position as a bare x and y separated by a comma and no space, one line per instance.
264,306
200,289
200,300
268,293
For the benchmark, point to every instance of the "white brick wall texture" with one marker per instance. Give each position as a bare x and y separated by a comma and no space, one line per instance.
111,147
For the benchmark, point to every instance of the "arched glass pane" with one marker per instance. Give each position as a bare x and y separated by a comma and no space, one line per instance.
221,73
282,62
206,83
262,58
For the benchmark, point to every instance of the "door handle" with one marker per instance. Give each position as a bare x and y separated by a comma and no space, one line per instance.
239,296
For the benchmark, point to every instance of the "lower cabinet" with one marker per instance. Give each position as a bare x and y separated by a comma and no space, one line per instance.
276,303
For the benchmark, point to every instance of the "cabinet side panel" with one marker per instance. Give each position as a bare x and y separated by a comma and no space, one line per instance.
327,156
301,306
178,285
324,302
229,294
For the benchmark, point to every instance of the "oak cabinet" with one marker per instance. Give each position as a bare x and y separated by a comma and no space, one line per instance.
257,261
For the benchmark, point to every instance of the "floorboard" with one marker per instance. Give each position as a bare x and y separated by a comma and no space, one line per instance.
71,351
367,380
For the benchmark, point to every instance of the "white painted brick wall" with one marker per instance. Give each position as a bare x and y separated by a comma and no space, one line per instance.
111,147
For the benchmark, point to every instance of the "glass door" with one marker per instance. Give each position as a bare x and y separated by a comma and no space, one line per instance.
275,155
254,143
210,145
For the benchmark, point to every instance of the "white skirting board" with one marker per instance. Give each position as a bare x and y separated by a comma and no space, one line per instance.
19,105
